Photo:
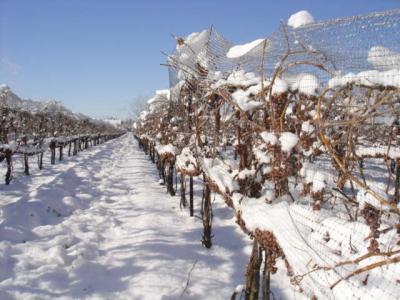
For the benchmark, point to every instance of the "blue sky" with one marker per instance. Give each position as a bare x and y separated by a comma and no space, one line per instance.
98,56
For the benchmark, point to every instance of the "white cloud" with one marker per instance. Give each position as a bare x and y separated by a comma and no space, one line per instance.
8,66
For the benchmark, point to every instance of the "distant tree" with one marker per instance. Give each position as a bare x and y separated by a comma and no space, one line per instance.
138,104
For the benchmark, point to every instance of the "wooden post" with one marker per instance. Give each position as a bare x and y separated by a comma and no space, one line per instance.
152,154
170,179
53,152
8,154
61,152
160,167
217,117
397,182
163,173
253,273
26,164
183,190
40,161
266,290
191,196
206,214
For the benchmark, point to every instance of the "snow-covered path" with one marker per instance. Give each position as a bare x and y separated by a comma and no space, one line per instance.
101,227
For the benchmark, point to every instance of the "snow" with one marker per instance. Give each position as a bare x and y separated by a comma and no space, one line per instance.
317,225
251,82
143,115
237,78
113,121
314,176
318,182
196,38
98,226
390,78
241,98
192,49
307,127
245,173
12,101
218,172
160,96
269,137
240,50
262,157
300,18
298,228
12,146
383,58
280,86
378,150
186,162
364,198
34,149
288,141
175,90
167,149
307,84
240,288
4,87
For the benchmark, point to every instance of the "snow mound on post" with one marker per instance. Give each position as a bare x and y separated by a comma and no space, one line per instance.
307,127
160,96
308,84
300,18
186,162
237,78
269,137
312,175
280,86
167,149
240,50
242,100
217,172
288,141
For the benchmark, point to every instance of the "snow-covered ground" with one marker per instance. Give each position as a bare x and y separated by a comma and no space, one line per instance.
98,226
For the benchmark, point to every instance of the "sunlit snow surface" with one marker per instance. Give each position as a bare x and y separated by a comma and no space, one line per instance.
98,226
300,18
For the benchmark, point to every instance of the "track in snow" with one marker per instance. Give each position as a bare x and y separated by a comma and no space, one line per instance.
99,226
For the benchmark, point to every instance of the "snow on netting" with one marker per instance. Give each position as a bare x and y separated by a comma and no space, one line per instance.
355,50
359,58
339,46
329,94
201,55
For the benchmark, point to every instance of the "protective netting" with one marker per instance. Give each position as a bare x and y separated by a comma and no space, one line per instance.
340,46
201,58
346,75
